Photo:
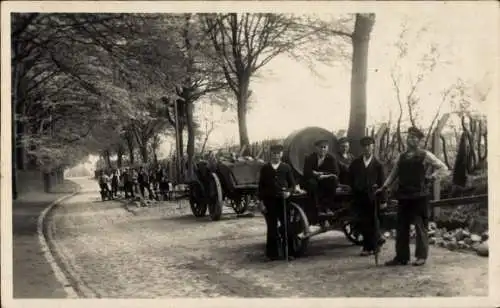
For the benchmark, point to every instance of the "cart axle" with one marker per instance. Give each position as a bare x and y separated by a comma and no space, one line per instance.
308,234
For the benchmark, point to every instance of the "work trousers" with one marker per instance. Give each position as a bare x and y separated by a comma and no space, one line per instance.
104,187
412,211
364,208
129,189
163,187
275,244
145,185
114,188
322,192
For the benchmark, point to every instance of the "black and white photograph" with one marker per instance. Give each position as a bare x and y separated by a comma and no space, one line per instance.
250,150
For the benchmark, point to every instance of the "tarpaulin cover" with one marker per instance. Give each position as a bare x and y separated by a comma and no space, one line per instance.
300,143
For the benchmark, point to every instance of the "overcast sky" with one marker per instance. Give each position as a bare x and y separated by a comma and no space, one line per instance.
288,96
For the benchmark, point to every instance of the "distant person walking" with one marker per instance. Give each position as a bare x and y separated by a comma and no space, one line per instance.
104,181
144,182
114,183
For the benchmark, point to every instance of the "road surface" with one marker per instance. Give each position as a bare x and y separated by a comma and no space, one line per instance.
164,251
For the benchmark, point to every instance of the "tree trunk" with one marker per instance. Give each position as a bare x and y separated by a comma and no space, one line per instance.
360,43
107,158
154,149
181,142
19,108
130,147
119,156
46,182
191,137
242,99
144,152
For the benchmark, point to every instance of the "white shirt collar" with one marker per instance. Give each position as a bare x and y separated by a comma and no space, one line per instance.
321,159
368,160
275,166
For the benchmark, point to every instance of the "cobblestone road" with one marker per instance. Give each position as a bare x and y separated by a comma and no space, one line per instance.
164,251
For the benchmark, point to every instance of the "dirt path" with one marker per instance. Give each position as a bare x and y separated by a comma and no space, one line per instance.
165,252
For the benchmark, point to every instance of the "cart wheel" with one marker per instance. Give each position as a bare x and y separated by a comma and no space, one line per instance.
240,205
299,226
216,201
352,232
197,200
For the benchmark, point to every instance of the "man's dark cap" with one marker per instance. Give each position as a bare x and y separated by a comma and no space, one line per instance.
343,140
321,142
276,148
416,132
367,140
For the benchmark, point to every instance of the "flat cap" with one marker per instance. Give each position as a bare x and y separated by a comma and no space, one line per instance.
415,132
367,140
343,140
321,142
276,148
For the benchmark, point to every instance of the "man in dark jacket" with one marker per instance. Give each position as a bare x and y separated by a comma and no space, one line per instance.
114,183
365,172
127,183
276,184
412,195
344,160
144,182
321,177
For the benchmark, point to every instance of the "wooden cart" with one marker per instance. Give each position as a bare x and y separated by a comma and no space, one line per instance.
304,213
227,183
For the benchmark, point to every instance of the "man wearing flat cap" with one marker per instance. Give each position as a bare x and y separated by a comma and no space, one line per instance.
276,184
366,174
321,176
412,194
344,160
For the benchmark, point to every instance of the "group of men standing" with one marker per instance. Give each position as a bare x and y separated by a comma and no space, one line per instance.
136,181
324,173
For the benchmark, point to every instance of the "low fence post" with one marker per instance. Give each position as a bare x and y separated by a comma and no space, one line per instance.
378,138
436,145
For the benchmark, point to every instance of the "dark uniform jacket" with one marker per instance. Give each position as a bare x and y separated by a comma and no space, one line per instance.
344,164
143,177
272,182
362,179
329,165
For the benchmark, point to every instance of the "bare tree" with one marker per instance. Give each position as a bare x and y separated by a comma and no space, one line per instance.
246,42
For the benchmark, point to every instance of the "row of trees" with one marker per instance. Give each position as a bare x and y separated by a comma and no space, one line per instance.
113,83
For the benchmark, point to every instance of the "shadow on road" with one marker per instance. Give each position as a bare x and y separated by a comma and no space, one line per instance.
331,247
188,219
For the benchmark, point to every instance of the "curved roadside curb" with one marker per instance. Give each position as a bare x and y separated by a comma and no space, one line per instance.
45,247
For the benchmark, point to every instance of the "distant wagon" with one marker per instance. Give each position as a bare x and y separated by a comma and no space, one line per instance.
232,183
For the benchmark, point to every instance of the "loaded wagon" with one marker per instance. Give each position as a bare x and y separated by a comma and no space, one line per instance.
231,183
304,213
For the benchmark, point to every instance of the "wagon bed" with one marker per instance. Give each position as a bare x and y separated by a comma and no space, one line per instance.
226,183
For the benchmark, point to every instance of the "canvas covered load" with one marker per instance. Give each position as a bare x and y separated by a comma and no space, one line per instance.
299,144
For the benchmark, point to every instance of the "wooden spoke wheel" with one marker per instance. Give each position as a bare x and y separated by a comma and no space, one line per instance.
352,232
298,227
240,205
216,200
197,199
